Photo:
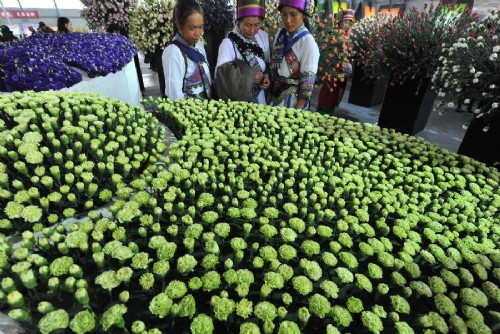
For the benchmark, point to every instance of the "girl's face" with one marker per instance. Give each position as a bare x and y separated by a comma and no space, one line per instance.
69,26
292,18
250,25
192,30
345,24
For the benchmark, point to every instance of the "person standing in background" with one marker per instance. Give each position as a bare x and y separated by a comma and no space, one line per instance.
249,43
295,56
184,60
7,35
43,28
64,25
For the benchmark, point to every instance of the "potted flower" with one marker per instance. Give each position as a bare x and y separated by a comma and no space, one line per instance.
365,40
334,50
219,18
470,73
151,28
410,51
114,17
102,14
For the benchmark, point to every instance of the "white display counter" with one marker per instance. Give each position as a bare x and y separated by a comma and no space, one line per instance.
122,85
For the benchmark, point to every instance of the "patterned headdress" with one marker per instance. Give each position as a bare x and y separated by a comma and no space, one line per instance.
348,14
251,8
306,6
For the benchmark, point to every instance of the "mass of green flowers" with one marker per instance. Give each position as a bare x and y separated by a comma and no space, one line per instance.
272,220
61,154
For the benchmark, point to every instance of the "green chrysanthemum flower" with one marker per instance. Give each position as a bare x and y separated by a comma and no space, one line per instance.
160,305
187,306
176,289
113,316
265,311
302,285
54,320
108,280
161,268
61,265
186,264
344,274
32,213
202,324
140,261
82,322
274,280
319,305
287,252
244,308
211,281
400,304
288,327
341,316
372,322
77,239
147,281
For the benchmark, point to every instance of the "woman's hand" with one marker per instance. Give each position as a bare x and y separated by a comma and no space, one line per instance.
266,83
258,77
300,104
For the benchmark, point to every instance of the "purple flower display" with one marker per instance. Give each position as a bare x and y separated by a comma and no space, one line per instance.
47,61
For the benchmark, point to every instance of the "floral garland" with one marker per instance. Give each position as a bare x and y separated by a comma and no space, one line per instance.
334,49
106,13
470,69
151,25
45,61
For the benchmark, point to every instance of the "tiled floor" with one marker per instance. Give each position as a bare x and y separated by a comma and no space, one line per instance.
445,130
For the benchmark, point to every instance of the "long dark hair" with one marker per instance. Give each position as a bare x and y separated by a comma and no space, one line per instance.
183,9
61,24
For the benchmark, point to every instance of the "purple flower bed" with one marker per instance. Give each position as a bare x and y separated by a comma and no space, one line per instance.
45,61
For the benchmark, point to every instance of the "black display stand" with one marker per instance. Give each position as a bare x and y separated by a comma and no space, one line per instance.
407,107
159,69
482,145
366,92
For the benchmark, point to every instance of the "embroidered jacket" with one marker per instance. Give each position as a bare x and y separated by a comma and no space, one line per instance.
229,52
183,77
294,68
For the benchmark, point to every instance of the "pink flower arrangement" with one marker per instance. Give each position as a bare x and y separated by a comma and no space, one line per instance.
106,13
410,46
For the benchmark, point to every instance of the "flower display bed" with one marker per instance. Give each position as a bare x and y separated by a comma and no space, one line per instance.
61,154
48,61
122,85
273,220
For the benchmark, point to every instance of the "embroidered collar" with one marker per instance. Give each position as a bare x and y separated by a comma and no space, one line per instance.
292,34
178,37
246,47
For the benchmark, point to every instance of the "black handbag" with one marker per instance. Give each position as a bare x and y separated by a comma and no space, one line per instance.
234,81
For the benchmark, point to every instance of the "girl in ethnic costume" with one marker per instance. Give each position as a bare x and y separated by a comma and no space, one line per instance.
184,60
295,56
250,43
